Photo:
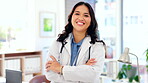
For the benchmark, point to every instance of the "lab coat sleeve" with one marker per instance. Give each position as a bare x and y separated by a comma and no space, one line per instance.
86,73
52,76
54,51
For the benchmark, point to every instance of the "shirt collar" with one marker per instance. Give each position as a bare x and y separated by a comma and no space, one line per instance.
72,40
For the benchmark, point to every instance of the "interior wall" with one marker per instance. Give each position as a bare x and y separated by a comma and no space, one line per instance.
54,6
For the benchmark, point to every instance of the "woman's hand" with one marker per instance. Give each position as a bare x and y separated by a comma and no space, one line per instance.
91,61
53,65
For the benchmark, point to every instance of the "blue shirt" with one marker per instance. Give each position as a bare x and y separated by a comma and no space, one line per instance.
74,51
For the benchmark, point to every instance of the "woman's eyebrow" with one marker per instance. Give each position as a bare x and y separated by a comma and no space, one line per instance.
86,13
77,11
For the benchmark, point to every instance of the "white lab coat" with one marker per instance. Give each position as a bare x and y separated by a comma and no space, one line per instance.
81,73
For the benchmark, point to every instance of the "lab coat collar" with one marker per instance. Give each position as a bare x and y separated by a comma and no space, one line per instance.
68,43
84,47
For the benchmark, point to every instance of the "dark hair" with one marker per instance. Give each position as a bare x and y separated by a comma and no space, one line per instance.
92,29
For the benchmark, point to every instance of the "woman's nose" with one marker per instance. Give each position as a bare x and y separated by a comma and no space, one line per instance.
81,18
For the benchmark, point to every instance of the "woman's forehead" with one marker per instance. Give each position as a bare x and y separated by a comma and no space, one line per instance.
82,8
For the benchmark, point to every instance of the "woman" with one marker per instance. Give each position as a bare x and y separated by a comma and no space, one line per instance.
77,56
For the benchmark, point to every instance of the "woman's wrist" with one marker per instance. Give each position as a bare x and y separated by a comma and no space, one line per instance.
61,70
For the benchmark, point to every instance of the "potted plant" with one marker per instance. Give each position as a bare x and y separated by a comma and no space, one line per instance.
129,72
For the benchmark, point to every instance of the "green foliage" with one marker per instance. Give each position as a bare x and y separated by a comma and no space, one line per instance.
146,58
123,73
129,67
147,55
136,78
131,79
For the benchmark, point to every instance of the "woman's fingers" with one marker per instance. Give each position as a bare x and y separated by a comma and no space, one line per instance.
53,65
91,61
47,66
53,58
48,62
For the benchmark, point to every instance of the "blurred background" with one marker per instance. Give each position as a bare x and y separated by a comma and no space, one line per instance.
32,25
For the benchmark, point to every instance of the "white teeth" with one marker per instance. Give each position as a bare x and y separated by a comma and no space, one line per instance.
80,23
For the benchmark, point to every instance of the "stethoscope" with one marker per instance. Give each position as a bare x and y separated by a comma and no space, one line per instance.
74,63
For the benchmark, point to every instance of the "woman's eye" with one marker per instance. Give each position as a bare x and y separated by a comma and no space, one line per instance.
86,15
76,14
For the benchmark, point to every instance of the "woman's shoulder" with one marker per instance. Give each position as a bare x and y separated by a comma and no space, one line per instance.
100,42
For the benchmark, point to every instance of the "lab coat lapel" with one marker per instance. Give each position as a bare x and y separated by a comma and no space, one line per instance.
84,47
68,44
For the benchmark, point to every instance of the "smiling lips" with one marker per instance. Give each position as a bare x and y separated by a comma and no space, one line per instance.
80,23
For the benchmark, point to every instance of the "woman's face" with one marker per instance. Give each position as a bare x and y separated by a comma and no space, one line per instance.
81,19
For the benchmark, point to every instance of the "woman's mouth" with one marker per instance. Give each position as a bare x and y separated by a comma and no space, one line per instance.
80,23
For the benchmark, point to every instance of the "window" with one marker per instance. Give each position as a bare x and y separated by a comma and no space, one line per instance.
106,14
135,28
14,30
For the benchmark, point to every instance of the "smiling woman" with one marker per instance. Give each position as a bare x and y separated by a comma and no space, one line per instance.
77,56
81,19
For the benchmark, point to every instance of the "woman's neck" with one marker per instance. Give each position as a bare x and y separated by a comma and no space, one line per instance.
78,36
